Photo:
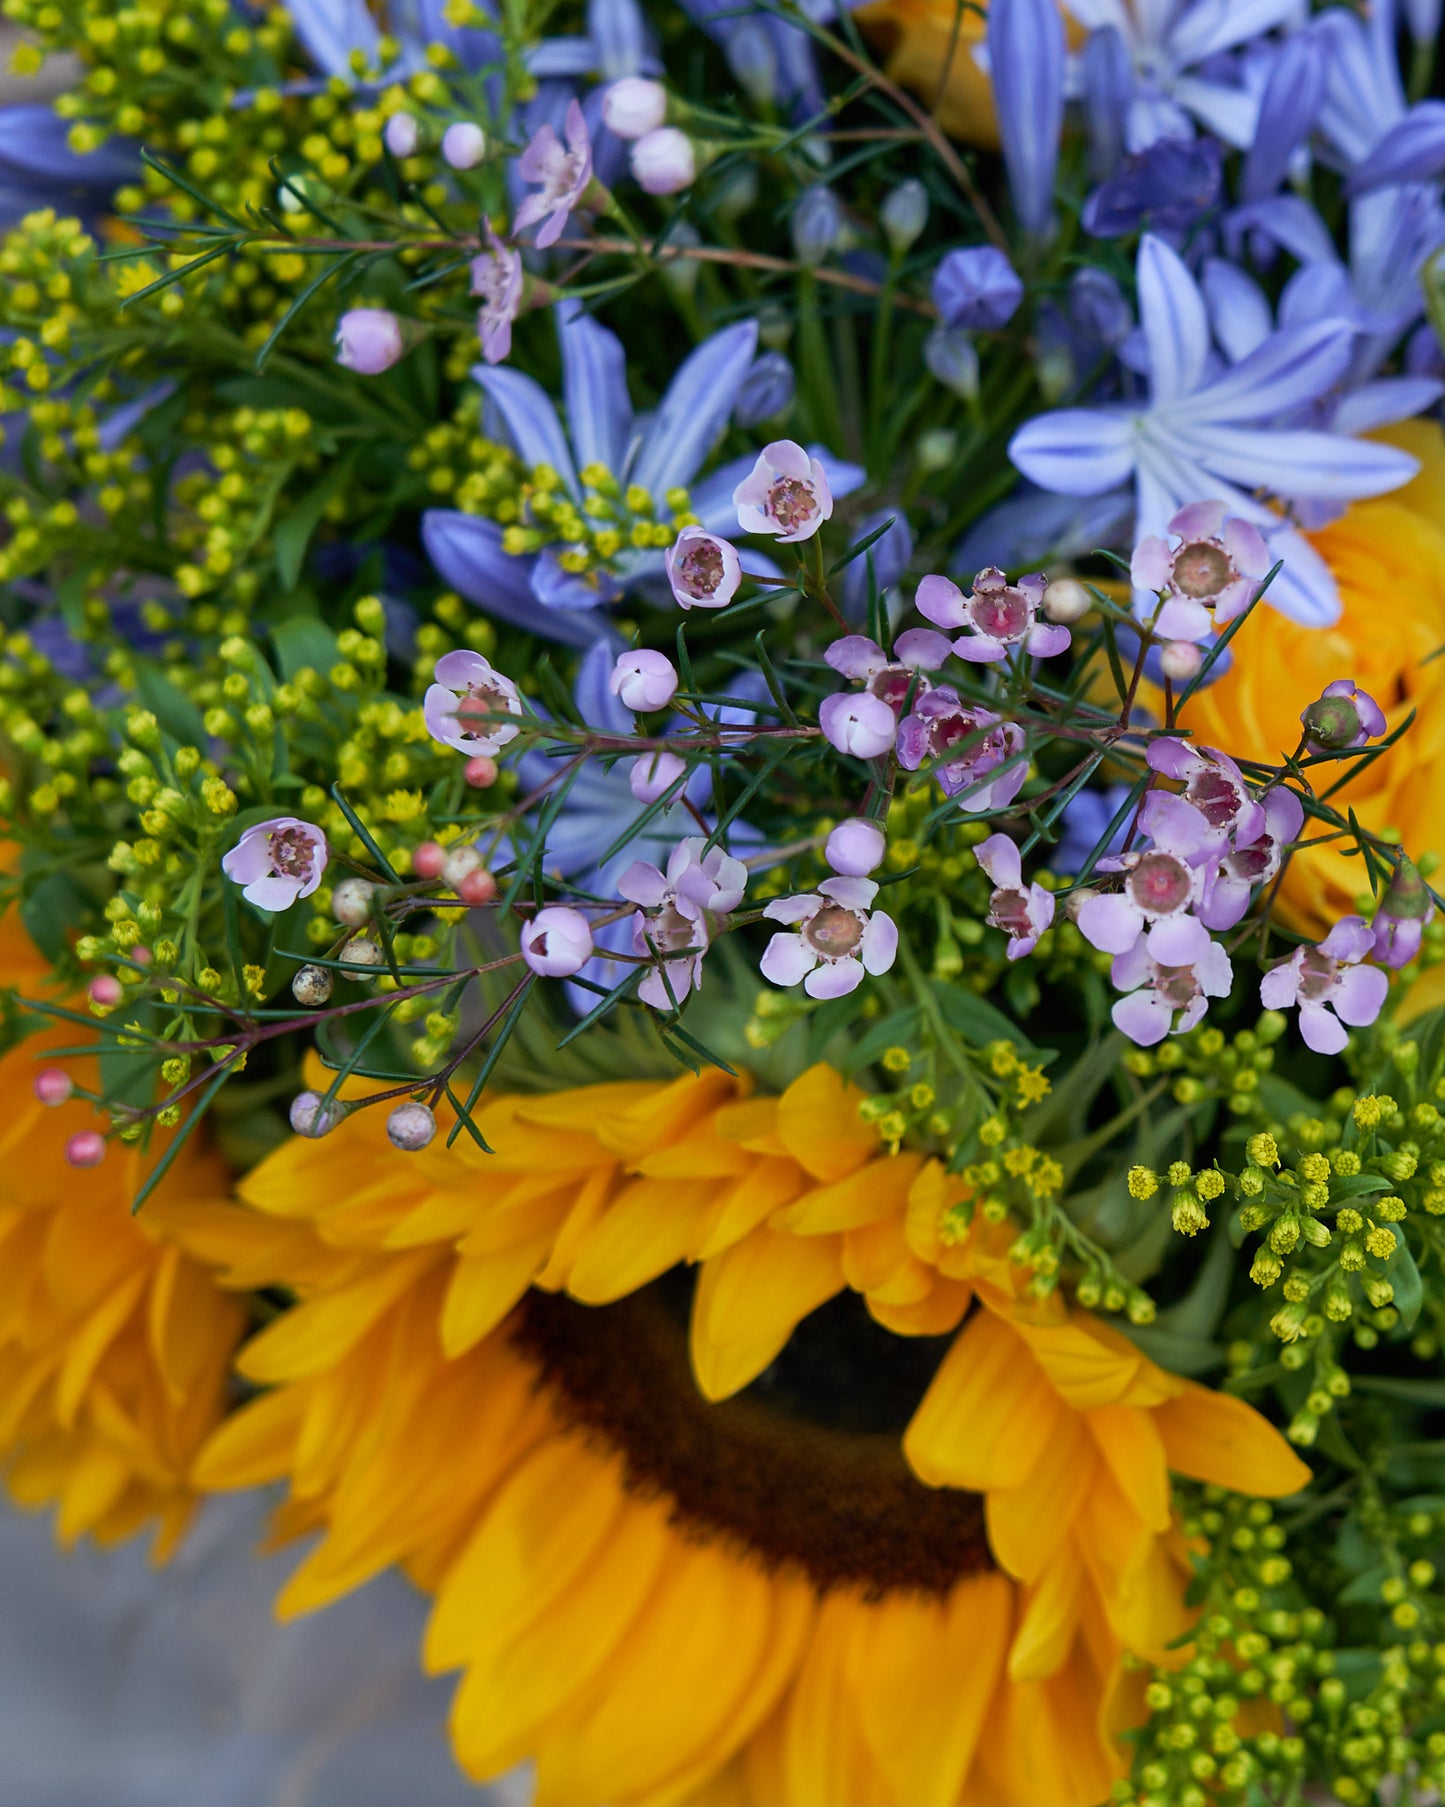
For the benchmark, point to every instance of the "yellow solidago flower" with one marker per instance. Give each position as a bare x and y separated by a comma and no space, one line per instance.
670,1587
114,1345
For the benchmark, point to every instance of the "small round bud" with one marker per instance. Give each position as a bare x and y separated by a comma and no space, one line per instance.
369,340
464,145
480,773
1066,601
351,901
85,1149
410,1127
53,1085
428,859
652,774
664,162
634,106
855,848
904,215
1180,660
105,990
312,985
402,133
310,1118
643,679
557,942
478,888
361,950
458,863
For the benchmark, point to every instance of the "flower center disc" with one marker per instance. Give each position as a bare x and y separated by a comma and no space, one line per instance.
1202,569
1160,883
702,569
833,932
791,503
804,1469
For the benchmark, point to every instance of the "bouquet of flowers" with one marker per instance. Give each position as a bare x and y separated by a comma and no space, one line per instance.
723,739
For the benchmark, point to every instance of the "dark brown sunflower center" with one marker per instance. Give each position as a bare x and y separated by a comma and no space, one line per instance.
830,1495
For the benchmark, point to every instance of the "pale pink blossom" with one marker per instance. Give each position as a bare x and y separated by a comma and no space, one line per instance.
893,680
856,847
858,723
785,494
998,615
497,278
563,177
984,744
703,570
684,908
557,942
643,679
277,862
1170,973
461,707
1329,985
1164,880
1210,574
651,775
1214,784
1242,870
837,938
1023,913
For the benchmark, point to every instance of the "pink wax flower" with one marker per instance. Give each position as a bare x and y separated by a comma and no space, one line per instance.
1170,973
277,861
855,848
652,774
1208,576
562,176
785,494
1342,718
1165,880
1022,913
703,570
858,723
643,679
557,942
1229,885
634,106
940,722
497,278
892,680
1329,985
1214,784
467,692
837,938
664,162
998,615
684,908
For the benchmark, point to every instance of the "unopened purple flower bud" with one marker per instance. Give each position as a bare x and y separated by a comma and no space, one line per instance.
402,134
856,847
766,390
1342,718
951,358
410,1127
643,679
1400,920
653,774
53,1085
464,145
977,288
817,222
557,942
859,723
664,162
310,1117
634,106
368,340
904,215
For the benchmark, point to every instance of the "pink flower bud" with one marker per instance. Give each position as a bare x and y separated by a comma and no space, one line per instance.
53,1085
458,863
1180,660
85,1149
410,1127
105,991
310,1118
858,723
368,340
478,888
654,773
401,135
664,162
464,145
634,106
856,848
643,679
557,942
480,773
428,859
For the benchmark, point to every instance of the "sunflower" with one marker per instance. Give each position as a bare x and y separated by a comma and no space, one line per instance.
114,1345
722,1538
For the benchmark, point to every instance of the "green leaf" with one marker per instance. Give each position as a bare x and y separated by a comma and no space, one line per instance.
1404,1276
176,713
304,640
977,1020
51,910
292,534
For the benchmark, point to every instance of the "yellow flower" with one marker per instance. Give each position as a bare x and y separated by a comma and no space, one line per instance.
668,1586
114,1345
929,48
1388,558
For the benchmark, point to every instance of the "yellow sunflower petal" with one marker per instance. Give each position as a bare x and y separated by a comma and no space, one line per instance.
1216,1437
876,1191
1049,1623
1027,1524
649,1227
988,1413
819,1125
749,1300
310,1337
935,1315
253,1445
1131,1443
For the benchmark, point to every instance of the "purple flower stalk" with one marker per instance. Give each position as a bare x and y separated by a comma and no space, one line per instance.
837,939
685,907
785,494
497,278
368,340
1208,576
1342,718
562,176
460,707
277,861
1400,920
999,616
941,723
557,942
703,570
1329,985
1164,881
1022,913
1170,973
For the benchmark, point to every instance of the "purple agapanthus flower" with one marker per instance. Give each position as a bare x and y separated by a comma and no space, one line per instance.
1207,431
1023,913
1026,54
942,725
562,177
1333,991
1170,974
838,937
277,862
497,277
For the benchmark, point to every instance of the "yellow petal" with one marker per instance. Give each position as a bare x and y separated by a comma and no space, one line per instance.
749,1300
1049,1623
769,1184
1028,1523
310,1338
878,1261
824,1760
664,1115
90,1341
987,1415
936,1315
880,1189
753,1123
484,1288
649,1227
254,1444
1083,1367
1131,1444
1215,1437
819,1125
1044,1748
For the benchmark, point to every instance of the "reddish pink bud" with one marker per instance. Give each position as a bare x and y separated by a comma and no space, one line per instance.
105,990
53,1085
478,887
142,956
85,1149
428,859
480,773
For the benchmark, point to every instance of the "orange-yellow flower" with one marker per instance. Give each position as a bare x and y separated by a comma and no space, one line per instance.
114,1345
667,1585
928,46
